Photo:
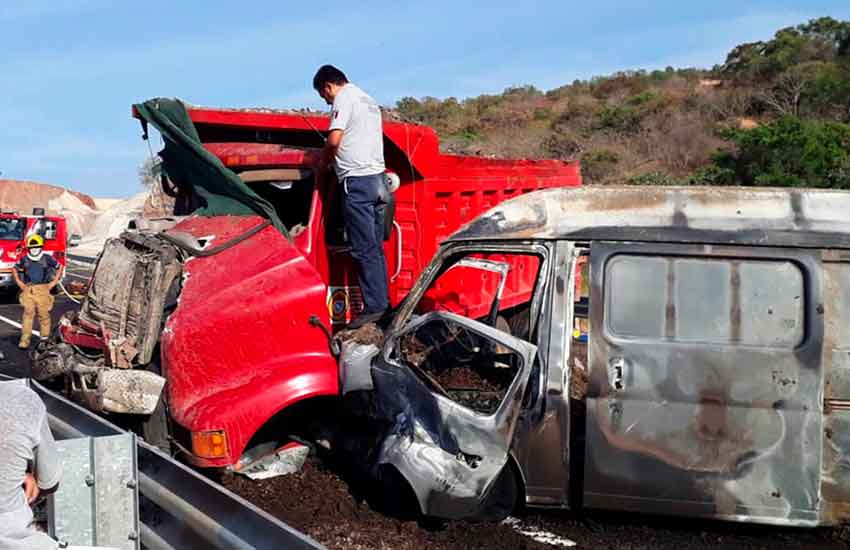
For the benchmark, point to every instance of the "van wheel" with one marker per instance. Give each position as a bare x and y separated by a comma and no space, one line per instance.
503,496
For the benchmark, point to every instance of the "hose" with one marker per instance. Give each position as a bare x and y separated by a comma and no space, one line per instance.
212,251
68,294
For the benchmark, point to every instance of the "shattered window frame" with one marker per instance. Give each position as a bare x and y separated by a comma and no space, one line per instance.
435,270
450,255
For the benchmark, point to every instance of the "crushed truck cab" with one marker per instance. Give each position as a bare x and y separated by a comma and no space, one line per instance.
214,335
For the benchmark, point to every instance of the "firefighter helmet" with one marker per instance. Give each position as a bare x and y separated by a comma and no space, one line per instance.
35,241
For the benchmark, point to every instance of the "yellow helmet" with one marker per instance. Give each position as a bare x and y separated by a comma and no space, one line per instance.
35,241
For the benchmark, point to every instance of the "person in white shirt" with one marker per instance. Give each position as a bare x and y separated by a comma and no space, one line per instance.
355,147
29,463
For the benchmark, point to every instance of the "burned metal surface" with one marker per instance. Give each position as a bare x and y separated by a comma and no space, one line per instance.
452,457
835,470
713,410
716,381
762,217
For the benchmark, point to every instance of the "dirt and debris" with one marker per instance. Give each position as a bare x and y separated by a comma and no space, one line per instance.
579,378
333,511
468,388
318,502
369,333
480,383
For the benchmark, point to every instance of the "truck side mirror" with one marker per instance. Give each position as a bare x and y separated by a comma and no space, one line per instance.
74,240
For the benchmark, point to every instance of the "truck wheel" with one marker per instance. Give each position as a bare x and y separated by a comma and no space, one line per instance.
154,428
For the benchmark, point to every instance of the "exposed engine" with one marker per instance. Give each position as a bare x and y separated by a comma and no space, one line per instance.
109,347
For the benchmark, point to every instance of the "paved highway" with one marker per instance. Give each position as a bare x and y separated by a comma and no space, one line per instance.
15,362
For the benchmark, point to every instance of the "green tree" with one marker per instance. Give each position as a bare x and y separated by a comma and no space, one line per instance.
790,152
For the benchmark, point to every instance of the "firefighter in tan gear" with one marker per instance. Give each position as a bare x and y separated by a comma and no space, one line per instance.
36,274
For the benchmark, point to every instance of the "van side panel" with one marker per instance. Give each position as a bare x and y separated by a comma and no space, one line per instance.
835,475
706,382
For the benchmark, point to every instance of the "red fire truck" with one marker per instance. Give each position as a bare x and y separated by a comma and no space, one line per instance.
231,314
15,229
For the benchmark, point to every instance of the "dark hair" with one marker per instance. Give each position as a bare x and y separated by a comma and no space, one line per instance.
328,74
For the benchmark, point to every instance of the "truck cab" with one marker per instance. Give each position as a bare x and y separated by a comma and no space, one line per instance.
15,229
681,351
215,335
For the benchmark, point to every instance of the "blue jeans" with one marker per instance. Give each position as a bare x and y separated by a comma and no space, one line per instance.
364,223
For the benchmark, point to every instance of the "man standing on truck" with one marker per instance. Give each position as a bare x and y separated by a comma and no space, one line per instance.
355,146
36,274
29,463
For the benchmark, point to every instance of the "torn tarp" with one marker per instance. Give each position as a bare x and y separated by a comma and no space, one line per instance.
187,163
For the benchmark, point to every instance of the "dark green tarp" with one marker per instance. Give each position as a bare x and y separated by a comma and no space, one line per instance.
187,163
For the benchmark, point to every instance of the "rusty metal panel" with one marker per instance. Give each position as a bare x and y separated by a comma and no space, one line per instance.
543,448
723,215
835,474
727,427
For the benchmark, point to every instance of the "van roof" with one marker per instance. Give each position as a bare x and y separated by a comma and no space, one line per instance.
711,215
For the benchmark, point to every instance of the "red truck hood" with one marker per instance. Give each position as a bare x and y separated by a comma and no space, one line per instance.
240,311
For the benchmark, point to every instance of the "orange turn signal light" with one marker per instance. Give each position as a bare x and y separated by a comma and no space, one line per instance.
211,444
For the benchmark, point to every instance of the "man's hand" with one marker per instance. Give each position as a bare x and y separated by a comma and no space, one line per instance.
30,488
17,279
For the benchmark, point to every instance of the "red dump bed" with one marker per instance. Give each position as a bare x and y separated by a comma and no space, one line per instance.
438,192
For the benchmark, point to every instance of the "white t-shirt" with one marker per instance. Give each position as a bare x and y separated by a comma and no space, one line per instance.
26,437
361,151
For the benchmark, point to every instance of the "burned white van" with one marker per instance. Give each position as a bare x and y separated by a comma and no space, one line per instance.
683,351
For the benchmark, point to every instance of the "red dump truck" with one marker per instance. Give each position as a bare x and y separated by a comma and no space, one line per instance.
231,310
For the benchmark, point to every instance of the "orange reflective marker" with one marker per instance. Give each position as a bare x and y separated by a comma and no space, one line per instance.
212,444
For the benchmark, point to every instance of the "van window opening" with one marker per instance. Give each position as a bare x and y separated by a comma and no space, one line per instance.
468,368
705,301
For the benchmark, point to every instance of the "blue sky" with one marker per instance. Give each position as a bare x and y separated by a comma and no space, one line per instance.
70,70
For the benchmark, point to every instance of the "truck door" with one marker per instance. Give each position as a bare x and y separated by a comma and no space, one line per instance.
706,382
345,301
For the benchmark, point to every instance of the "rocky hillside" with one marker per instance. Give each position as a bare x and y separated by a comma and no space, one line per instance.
79,209
26,195
773,113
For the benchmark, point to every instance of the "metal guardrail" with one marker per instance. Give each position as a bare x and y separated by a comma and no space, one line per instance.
179,508
82,259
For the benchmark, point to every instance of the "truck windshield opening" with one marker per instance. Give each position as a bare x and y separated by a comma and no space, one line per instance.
12,229
290,198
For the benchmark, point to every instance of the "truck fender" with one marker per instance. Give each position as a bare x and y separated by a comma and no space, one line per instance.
243,411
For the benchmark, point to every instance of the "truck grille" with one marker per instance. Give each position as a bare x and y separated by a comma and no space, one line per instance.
130,288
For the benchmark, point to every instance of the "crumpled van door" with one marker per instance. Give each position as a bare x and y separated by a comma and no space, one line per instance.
454,457
706,382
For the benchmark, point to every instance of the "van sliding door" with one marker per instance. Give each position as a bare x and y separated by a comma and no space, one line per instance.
706,382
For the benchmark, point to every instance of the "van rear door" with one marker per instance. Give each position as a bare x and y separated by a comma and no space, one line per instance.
706,382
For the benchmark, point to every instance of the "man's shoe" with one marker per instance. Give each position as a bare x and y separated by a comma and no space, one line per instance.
364,319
